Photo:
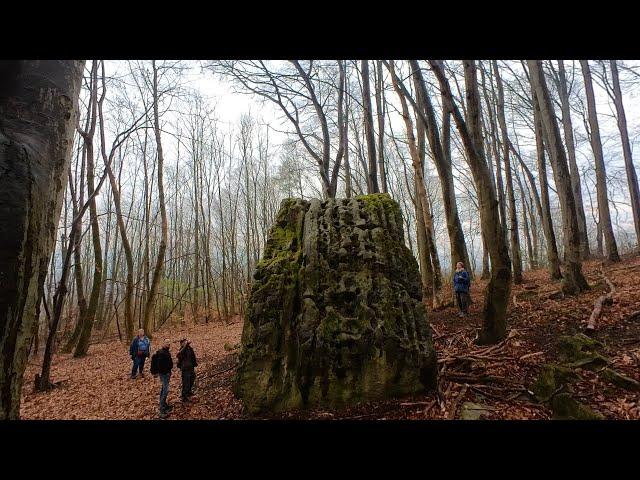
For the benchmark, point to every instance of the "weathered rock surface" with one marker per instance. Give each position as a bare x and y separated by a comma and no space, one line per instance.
335,313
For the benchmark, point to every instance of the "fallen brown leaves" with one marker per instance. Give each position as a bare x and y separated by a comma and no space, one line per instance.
497,377
99,387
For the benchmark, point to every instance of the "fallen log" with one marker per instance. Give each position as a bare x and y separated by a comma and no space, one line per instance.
606,299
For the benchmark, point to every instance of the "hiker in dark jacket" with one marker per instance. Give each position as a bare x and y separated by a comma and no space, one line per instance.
139,351
161,365
187,364
461,283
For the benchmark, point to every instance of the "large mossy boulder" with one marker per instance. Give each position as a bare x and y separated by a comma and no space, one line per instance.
335,313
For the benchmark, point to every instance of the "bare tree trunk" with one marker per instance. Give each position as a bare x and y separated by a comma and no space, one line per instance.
525,221
573,281
486,271
88,320
545,206
601,173
372,173
632,177
422,199
513,215
498,291
381,106
157,274
128,296
573,165
38,108
426,272
441,152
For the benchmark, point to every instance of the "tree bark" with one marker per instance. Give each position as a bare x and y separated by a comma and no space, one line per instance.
601,172
38,115
573,165
441,153
372,173
157,273
516,257
87,321
573,280
381,106
553,260
498,291
632,177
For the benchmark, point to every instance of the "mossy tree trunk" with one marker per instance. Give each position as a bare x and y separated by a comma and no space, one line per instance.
38,112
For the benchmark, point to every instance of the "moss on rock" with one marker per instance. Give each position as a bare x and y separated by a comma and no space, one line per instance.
619,379
567,408
335,313
551,379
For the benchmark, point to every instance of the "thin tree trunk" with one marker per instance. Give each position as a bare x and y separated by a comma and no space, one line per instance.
498,291
441,153
573,165
157,274
513,215
88,320
372,174
573,280
601,173
381,106
632,177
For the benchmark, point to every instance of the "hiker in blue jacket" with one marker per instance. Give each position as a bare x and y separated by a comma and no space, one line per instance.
461,283
139,351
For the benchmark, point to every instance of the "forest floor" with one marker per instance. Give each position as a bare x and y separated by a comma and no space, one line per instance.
493,381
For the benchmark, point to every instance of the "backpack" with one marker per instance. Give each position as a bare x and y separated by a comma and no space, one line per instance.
154,364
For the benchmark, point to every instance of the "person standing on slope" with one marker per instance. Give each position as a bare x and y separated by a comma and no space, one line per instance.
461,284
161,366
139,351
187,364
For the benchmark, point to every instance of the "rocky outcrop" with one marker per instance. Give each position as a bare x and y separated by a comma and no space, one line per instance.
335,313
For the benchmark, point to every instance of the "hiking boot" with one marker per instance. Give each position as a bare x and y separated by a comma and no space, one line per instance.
185,400
169,407
163,415
142,374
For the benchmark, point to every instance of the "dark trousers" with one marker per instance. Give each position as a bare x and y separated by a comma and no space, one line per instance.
138,364
164,391
463,301
188,378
